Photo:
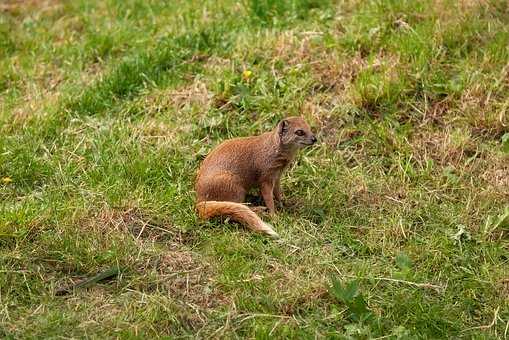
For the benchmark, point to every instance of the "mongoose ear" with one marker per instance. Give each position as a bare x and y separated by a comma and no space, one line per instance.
283,126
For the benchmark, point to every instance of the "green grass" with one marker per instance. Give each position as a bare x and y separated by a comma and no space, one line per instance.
395,225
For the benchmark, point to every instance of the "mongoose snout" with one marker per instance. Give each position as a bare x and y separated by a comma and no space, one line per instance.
241,164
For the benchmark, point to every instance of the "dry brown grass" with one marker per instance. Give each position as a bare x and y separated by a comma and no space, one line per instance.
129,220
185,276
496,175
180,99
164,262
23,7
445,147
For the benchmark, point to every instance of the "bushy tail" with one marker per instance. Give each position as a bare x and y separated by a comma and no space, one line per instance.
238,212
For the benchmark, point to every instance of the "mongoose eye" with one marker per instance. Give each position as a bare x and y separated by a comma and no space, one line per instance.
300,133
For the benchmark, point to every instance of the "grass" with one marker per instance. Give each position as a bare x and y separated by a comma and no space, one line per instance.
395,225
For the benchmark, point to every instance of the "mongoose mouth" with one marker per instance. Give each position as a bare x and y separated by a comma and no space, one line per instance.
311,142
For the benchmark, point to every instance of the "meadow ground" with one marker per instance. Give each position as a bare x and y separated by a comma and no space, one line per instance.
395,225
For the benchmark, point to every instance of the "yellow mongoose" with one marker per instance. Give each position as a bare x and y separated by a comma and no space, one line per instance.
240,164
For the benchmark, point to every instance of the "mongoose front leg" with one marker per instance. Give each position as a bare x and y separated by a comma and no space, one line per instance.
267,193
277,189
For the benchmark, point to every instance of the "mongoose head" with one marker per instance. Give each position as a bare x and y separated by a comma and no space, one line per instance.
295,132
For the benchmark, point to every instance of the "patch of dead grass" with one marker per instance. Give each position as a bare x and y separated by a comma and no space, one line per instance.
445,147
487,115
32,107
130,220
184,275
215,64
297,293
330,70
175,100
161,134
504,288
453,11
496,174
334,74
194,94
192,279
21,7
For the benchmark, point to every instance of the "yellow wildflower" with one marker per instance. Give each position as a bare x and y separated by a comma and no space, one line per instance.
246,74
6,180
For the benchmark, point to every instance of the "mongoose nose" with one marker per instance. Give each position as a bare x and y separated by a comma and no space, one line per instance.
313,139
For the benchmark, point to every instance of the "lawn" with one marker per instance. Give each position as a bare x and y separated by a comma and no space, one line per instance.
395,225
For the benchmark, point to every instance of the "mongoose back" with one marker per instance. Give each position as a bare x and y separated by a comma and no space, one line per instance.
240,164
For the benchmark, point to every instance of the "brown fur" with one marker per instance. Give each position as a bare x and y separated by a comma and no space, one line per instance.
238,165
